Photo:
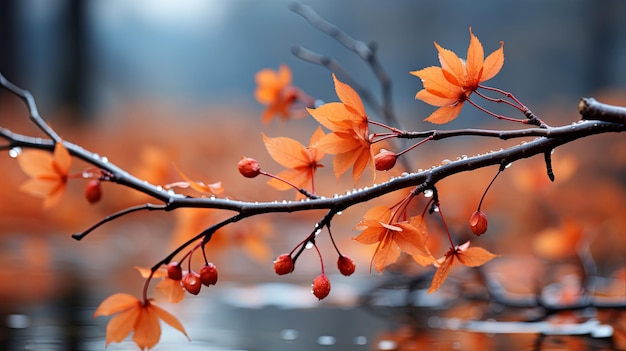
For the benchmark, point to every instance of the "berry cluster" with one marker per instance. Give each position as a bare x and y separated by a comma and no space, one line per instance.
191,280
285,264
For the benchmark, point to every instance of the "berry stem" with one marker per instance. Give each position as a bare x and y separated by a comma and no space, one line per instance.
320,256
445,226
382,125
300,190
332,240
146,284
505,118
414,146
489,186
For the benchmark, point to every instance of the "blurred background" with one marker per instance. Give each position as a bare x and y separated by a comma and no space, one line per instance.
152,83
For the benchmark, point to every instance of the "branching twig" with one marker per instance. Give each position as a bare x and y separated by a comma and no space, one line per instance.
366,52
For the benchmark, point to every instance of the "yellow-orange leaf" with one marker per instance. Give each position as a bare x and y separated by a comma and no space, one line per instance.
141,318
392,237
213,188
475,256
171,289
114,304
450,85
349,140
442,273
349,98
48,173
466,255
302,162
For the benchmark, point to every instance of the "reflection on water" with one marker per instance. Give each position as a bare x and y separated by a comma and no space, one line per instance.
271,316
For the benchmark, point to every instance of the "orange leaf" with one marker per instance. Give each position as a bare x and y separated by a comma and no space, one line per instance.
169,319
286,151
349,97
120,326
386,253
475,256
412,239
147,329
475,57
493,63
452,63
349,140
115,303
134,315
171,289
334,116
302,162
442,272
213,188
146,272
445,114
48,173
451,84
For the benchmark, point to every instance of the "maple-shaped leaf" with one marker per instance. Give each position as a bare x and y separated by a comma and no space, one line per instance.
301,161
450,85
392,238
48,173
274,89
349,138
466,255
133,315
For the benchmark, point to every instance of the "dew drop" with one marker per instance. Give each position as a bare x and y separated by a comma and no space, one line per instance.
339,213
428,193
159,188
15,152
104,159
308,245
508,165
95,156
445,162
463,157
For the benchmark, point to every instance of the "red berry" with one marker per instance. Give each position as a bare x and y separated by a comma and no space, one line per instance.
174,271
478,223
346,265
283,264
93,191
321,286
191,282
249,167
384,160
208,274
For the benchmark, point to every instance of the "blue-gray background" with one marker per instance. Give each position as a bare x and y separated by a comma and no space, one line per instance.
96,54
